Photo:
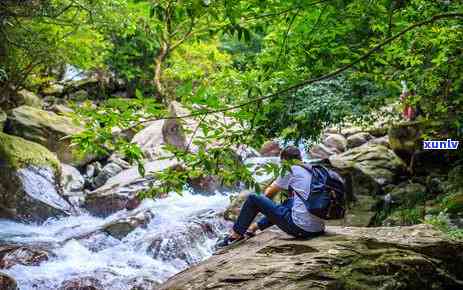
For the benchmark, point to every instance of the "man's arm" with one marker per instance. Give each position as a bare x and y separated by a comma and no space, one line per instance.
271,190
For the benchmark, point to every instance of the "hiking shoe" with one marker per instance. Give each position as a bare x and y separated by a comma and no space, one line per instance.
227,241
249,235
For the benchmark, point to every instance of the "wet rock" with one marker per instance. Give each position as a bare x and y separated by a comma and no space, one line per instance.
181,242
28,98
358,139
416,257
143,283
29,177
82,283
108,171
47,129
371,166
123,226
21,255
7,282
71,179
270,148
121,190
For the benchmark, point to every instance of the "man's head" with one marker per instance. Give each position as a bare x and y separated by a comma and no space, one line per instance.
291,153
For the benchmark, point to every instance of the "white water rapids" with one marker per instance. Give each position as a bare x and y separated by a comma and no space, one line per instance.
174,239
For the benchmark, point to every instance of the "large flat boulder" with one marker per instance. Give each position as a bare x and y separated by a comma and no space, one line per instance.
48,129
29,181
416,257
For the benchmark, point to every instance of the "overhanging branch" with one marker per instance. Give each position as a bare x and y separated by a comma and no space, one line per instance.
313,80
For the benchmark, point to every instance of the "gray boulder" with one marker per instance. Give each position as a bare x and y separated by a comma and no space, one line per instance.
358,139
372,167
71,179
29,181
48,129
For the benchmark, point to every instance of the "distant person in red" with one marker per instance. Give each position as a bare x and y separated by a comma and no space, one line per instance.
409,113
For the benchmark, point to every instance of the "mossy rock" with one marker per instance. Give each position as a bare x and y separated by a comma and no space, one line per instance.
48,129
29,181
17,153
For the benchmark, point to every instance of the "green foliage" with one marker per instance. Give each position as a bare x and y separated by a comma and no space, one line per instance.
442,223
216,54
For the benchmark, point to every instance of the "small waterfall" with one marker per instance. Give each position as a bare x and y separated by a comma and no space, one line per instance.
182,232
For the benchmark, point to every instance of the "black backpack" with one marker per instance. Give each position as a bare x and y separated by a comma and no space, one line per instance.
327,196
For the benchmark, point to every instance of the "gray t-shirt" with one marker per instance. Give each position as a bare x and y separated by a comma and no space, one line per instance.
300,180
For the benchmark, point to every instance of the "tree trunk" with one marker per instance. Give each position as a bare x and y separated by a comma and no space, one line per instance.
164,51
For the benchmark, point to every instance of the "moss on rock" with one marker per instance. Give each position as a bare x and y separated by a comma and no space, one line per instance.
17,153
48,129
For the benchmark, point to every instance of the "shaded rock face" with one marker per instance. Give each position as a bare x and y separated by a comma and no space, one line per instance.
372,167
29,177
270,148
7,282
47,129
416,257
119,192
22,255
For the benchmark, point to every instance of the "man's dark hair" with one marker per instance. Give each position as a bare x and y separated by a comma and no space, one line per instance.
291,153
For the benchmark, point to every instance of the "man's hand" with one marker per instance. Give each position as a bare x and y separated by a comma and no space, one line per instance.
271,190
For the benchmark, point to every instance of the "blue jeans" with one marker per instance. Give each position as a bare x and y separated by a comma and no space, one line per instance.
279,215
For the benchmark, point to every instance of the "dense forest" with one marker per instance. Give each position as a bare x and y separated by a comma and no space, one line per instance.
182,92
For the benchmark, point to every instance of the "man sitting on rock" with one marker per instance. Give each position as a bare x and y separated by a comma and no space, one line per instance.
291,216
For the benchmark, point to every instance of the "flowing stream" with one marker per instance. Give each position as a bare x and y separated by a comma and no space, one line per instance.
182,232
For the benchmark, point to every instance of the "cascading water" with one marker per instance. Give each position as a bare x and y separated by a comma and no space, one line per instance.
182,232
